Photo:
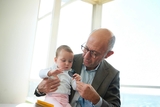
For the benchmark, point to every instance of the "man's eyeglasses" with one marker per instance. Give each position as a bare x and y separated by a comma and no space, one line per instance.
93,53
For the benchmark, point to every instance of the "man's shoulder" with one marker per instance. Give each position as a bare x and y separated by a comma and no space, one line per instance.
77,63
108,66
77,57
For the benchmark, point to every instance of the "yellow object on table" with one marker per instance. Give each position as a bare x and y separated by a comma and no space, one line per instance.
40,103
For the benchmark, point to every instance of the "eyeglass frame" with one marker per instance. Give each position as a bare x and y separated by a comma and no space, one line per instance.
93,53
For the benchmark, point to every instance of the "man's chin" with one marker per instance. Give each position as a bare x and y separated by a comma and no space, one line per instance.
86,64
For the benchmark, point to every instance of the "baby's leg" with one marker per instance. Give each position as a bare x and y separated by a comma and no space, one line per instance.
53,101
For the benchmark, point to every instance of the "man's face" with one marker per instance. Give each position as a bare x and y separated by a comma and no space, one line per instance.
92,55
97,43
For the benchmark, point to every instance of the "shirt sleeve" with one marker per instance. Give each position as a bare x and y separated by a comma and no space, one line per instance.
99,103
37,93
43,73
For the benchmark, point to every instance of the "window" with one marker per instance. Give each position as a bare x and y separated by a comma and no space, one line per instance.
75,25
136,27
42,38
40,54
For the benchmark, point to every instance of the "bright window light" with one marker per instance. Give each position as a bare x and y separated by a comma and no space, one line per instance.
75,25
136,26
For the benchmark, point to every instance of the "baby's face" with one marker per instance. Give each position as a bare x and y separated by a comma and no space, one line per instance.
64,60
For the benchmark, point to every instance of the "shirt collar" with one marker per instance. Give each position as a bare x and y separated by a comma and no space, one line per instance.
92,69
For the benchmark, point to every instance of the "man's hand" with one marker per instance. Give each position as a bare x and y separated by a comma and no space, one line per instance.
87,92
49,85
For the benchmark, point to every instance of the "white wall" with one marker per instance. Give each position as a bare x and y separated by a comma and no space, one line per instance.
17,33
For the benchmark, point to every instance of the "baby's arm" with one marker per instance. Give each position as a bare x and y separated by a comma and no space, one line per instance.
53,73
45,73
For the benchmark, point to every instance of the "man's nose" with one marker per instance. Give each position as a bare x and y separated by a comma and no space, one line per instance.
87,54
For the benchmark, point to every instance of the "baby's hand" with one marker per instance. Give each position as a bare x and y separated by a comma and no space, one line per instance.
77,77
54,72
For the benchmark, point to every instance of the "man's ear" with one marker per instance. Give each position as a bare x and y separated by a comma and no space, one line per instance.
109,54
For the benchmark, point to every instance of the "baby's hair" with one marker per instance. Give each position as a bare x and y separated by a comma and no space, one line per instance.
64,47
